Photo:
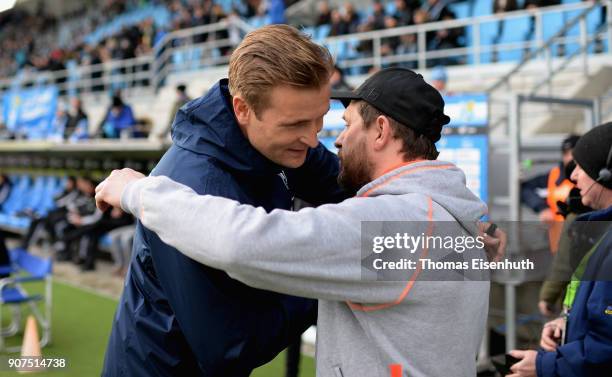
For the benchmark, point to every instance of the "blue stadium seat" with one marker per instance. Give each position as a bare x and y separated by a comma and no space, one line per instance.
514,31
483,7
54,186
322,32
226,4
18,200
19,195
256,22
26,268
461,10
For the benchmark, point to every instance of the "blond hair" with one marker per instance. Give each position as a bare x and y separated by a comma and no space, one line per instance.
276,55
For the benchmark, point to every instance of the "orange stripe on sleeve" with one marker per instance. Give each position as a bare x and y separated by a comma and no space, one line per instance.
410,283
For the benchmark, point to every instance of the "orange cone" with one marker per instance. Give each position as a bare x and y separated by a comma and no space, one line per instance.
31,344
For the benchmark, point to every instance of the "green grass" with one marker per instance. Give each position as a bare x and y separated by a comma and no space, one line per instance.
81,325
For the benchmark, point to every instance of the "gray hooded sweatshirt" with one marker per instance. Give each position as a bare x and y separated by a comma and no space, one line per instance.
430,328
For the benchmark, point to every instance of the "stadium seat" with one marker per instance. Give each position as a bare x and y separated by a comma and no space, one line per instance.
514,31
483,7
461,10
256,22
18,200
390,8
26,268
322,32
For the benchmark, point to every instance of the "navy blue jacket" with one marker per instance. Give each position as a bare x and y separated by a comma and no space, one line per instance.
177,317
588,347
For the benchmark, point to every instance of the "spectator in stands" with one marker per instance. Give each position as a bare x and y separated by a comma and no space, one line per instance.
142,128
502,6
599,46
201,13
88,231
404,10
338,81
324,17
78,211
77,126
532,5
5,188
201,16
121,247
447,39
408,45
119,120
351,18
338,26
438,79
59,122
254,8
91,56
377,20
61,201
421,17
435,9
181,99
56,64
218,15
389,44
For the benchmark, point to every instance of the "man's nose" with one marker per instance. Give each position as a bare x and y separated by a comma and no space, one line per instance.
310,138
339,140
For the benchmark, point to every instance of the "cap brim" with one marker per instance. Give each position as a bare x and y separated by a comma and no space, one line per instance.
345,97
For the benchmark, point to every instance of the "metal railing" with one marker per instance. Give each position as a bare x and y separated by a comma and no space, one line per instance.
544,53
181,50
545,46
478,50
210,45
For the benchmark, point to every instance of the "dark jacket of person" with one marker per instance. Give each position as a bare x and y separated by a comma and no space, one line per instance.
73,123
588,347
177,317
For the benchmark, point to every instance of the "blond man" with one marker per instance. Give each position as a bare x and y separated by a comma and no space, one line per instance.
251,138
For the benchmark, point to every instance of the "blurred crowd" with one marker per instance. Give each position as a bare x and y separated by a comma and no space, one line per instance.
40,42
74,228
346,20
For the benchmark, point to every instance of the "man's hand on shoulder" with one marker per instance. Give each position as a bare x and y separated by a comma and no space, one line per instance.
108,193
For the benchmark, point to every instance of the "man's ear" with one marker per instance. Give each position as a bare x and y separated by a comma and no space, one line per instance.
241,110
383,133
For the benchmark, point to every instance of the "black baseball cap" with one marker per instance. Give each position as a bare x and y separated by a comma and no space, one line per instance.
403,95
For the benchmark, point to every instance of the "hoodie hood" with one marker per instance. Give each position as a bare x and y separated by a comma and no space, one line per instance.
443,181
207,126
